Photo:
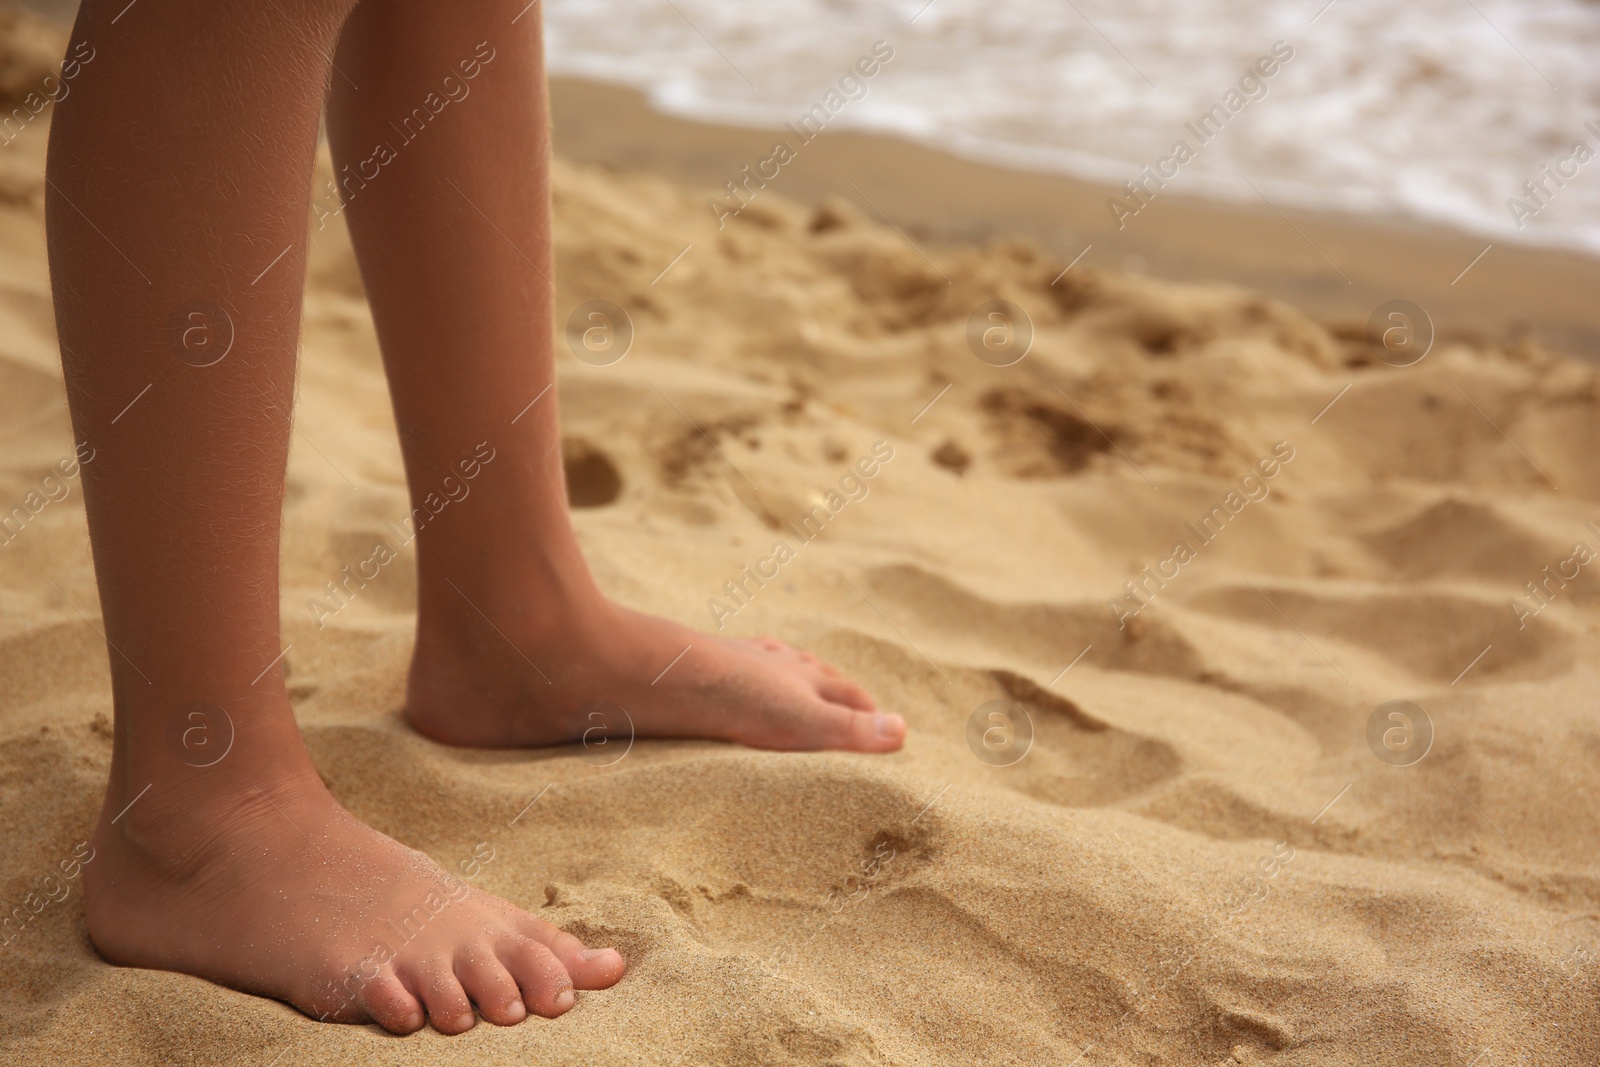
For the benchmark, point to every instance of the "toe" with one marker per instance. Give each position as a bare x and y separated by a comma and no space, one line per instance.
597,968
441,994
815,724
490,986
844,691
388,1003
860,731
588,968
546,987
824,677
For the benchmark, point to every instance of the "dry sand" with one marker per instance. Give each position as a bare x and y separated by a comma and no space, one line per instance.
1200,860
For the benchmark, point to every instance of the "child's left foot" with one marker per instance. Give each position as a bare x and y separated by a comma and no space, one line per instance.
489,679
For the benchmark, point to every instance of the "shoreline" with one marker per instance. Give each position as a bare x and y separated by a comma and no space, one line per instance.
1337,267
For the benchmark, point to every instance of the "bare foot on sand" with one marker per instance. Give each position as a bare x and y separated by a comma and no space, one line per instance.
243,869
507,682
279,891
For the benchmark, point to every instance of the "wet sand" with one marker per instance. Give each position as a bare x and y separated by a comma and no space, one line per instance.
1337,267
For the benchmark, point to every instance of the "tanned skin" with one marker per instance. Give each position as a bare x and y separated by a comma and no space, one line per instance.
180,166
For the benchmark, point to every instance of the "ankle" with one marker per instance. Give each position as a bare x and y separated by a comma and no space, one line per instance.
465,616
176,818
475,675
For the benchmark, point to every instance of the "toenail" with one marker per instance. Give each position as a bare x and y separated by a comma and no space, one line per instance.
460,1023
565,999
596,953
889,725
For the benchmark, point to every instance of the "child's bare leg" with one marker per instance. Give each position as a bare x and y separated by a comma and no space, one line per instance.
453,236
178,172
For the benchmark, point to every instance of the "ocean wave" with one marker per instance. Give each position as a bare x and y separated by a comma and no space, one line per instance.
1435,110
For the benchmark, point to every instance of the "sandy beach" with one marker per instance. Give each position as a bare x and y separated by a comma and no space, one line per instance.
1335,266
1150,589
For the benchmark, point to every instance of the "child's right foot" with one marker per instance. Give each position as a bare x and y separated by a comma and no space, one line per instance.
280,891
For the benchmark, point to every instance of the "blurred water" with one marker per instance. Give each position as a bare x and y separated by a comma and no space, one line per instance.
1430,109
